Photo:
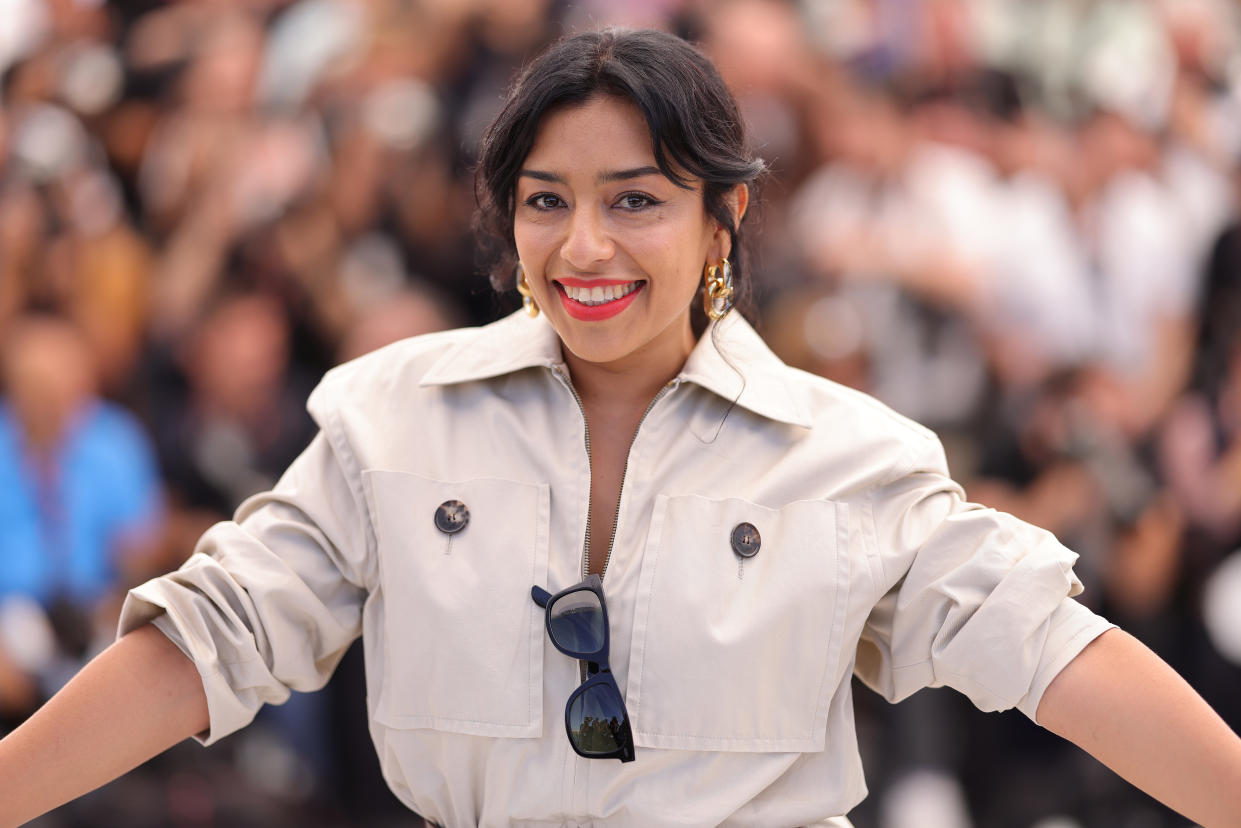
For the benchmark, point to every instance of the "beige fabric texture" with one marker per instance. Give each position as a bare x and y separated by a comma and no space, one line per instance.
736,673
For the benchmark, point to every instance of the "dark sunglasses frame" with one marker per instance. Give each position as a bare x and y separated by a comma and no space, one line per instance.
598,668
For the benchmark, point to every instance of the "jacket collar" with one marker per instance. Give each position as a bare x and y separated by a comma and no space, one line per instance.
730,360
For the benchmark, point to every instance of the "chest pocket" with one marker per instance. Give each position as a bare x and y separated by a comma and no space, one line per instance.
462,643
732,653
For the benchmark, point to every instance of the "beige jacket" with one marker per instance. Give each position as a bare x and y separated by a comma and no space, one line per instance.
735,671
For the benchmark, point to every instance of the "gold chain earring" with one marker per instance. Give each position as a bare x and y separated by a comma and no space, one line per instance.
527,297
717,294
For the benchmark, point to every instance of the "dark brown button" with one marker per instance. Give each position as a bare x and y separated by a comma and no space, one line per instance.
745,540
451,517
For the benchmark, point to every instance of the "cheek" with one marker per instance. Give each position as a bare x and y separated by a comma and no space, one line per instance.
532,245
680,240
694,256
539,227
677,277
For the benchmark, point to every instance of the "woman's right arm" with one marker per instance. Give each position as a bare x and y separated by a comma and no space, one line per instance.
136,699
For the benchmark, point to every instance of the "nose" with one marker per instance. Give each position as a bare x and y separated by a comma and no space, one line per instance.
587,242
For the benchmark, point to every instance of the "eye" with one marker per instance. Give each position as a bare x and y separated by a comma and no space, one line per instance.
637,201
545,201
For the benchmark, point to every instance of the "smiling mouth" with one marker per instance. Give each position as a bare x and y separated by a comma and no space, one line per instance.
593,297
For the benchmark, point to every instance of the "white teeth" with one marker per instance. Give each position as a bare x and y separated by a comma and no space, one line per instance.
599,295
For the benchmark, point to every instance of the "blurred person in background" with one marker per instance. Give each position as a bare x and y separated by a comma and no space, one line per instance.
404,313
1144,271
239,419
1200,442
899,221
80,500
215,170
1035,318
820,330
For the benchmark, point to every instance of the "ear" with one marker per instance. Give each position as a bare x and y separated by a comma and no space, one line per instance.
738,200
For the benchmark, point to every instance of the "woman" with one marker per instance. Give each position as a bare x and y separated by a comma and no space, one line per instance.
762,534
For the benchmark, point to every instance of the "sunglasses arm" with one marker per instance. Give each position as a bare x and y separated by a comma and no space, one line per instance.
540,596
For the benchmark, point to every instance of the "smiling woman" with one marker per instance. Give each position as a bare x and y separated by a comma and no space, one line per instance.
612,249
688,132
620,505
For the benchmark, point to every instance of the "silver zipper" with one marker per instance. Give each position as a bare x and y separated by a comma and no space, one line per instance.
568,383
624,473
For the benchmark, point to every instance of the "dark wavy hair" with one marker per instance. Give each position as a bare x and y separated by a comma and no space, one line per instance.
696,131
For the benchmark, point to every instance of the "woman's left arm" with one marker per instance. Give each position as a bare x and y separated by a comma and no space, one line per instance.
1121,703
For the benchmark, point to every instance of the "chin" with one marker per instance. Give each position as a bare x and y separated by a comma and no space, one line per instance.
600,349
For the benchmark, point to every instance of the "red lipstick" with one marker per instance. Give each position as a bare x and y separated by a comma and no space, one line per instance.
596,313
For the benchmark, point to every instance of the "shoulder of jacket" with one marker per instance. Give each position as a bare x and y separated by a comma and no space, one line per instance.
833,405
376,374
894,443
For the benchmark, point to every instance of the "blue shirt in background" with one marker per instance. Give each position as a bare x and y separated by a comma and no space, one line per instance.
60,530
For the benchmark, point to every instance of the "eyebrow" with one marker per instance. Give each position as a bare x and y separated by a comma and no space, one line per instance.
605,177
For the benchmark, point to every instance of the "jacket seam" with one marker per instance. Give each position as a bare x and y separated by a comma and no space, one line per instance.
352,473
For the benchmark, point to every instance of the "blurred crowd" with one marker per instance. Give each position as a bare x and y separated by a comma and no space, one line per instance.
1015,222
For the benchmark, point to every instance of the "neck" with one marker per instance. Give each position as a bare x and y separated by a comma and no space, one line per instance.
633,380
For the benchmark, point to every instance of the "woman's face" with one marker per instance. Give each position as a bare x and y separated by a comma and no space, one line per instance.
613,250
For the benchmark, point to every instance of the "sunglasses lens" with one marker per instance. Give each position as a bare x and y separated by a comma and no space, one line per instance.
596,720
577,622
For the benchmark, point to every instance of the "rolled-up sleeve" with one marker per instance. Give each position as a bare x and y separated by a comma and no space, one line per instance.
971,598
270,601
